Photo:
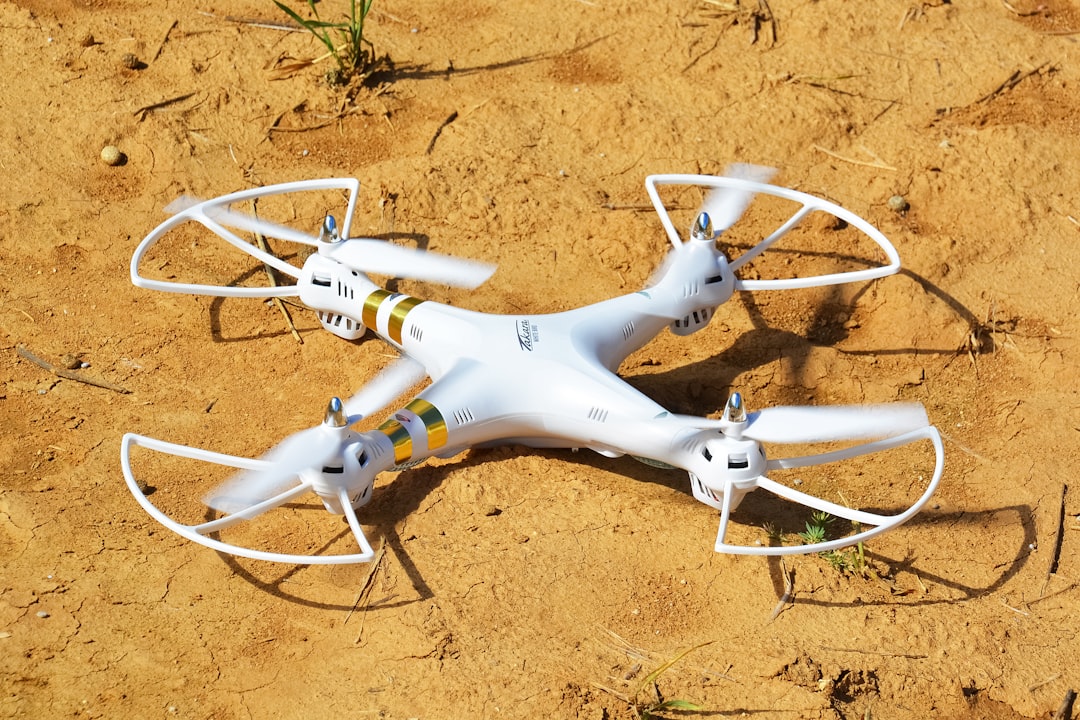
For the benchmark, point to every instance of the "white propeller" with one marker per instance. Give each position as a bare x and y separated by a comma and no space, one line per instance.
725,205
383,388
242,221
816,423
317,446
361,254
313,447
383,258
808,424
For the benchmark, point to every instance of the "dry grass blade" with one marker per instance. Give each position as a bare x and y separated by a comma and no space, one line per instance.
365,590
647,711
652,677
876,162
789,591
271,278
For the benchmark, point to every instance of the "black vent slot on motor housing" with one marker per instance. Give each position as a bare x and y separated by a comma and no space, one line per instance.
336,320
344,290
320,281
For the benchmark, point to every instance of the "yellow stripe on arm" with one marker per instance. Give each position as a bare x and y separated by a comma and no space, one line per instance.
433,422
397,317
401,439
371,308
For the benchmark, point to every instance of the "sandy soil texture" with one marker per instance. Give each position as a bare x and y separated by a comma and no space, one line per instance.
515,582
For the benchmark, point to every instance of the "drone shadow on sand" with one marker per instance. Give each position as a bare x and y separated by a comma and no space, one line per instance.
701,388
387,514
758,508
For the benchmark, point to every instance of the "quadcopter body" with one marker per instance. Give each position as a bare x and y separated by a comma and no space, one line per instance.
535,380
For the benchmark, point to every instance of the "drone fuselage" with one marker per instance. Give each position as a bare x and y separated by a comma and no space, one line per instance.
545,380
536,380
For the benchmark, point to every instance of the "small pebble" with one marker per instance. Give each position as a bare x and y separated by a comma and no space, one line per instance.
111,155
42,614
87,40
898,203
130,61
69,361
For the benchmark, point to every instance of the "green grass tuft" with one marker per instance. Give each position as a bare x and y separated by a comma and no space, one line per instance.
344,39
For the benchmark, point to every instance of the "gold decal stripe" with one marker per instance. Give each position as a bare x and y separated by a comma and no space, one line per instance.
433,421
397,317
371,308
400,437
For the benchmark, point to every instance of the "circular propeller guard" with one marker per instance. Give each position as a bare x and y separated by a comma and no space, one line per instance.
731,194
734,490
201,532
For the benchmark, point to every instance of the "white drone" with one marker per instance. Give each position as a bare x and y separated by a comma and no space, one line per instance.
544,381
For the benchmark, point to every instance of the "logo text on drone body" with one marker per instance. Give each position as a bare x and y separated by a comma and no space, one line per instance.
528,334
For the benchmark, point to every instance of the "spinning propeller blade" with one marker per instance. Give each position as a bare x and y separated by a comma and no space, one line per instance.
385,387
808,424
383,258
725,205
243,221
363,255
317,446
313,447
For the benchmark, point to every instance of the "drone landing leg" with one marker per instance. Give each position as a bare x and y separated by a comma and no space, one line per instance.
725,513
366,553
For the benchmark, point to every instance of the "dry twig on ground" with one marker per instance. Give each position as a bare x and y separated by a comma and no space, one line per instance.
68,374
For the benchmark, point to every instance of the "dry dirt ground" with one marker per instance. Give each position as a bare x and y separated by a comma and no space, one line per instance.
514,582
